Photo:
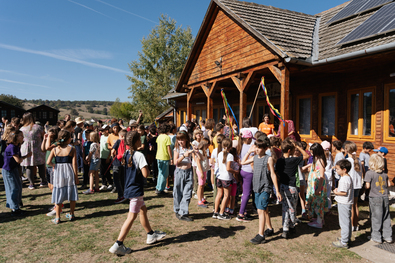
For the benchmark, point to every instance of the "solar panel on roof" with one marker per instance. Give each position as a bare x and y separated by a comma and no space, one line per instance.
356,7
380,22
372,4
349,10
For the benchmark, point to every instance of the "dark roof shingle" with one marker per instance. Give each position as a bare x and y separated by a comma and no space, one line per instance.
290,31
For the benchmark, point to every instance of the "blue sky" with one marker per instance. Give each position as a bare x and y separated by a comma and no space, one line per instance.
80,49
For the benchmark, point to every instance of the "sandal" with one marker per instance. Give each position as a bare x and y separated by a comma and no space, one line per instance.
55,220
70,217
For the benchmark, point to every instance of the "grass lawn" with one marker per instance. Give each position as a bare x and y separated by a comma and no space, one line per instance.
33,238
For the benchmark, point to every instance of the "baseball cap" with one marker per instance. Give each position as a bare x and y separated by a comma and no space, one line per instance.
326,145
246,134
381,149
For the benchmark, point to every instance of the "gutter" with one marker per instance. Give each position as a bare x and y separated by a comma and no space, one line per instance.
355,54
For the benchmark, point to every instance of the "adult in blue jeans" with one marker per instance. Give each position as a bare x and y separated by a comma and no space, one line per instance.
164,157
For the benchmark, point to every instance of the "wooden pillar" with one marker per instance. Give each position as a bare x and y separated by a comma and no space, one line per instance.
208,90
284,108
210,109
242,108
189,108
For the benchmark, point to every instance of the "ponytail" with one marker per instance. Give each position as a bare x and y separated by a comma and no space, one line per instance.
226,145
220,138
351,148
357,167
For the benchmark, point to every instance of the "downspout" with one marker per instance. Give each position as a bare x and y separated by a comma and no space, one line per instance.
356,54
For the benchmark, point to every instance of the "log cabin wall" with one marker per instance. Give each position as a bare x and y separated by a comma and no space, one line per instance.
330,80
237,48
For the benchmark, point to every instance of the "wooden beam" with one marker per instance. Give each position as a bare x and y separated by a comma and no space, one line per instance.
210,108
189,109
237,82
284,81
206,90
242,108
213,86
248,80
241,75
276,72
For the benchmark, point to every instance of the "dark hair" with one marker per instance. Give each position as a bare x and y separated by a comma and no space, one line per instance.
218,127
16,121
69,124
55,130
122,133
28,119
131,138
318,153
172,127
351,149
163,128
262,143
304,145
338,145
246,122
258,134
287,145
344,164
183,136
368,146
265,115
13,136
275,141
210,123
63,137
152,130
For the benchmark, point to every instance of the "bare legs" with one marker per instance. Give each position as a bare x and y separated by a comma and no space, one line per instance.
129,222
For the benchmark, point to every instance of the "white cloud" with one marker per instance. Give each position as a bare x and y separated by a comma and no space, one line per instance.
82,53
23,83
87,7
45,77
60,57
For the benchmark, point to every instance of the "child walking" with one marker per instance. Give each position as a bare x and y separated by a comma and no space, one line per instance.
12,180
378,182
65,177
286,168
94,159
316,196
183,176
224,179
262,183
344,197
136,168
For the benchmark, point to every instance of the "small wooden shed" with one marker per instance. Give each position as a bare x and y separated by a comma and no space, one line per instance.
44,113
331,90
9,111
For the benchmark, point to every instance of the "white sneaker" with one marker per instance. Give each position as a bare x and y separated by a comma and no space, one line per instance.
103,188
156,236
110,187
52,213
120,250
195,196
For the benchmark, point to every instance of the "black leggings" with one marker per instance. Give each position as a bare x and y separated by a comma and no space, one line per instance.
41,171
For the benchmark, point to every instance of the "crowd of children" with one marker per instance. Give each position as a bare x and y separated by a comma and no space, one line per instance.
247,164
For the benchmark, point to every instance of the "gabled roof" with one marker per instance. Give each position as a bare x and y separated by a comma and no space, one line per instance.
291,32
43,106
12,106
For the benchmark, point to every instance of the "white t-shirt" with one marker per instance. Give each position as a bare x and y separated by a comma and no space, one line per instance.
214,159
223,173
139,160
355,176
345,185
339,156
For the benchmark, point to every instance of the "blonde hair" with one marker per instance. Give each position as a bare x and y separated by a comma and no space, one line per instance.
351,149
196,132
376,163
94,137
202,146
226,145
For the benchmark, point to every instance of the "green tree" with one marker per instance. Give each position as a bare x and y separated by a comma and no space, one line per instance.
105,111
158,67
122,110
89,109
11,100
74,112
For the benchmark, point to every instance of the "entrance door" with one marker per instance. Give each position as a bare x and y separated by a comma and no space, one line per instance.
263,108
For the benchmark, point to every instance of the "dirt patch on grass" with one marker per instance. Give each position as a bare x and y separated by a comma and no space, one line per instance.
33,238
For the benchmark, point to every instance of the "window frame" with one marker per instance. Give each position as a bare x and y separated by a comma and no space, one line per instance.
320,96
387,88
360,114
298,98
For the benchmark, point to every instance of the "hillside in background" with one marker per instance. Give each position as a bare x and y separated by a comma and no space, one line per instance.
85,109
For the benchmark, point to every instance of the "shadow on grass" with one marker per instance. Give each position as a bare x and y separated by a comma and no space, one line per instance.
208,232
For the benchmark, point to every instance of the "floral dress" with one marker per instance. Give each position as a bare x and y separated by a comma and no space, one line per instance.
313,201
32,143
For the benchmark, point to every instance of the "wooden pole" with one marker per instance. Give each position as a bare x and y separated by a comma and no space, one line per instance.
284,108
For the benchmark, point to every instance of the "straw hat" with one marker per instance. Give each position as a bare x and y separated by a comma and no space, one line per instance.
78,120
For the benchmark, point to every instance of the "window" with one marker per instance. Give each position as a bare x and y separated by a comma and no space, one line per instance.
361,113
204,114
303,116
34,115
389,112
198,115
44,114
215,115
327,120
12,113
4,113
51,115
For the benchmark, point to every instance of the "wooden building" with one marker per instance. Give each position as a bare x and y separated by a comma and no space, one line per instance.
44,113
9,111
330,90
